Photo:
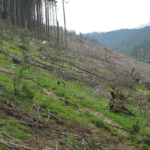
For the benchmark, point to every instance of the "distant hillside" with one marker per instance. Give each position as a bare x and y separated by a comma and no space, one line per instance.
110,38
142,52
122,40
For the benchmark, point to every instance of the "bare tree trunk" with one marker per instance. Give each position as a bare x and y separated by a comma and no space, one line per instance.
53,21
37,13
105,53
26,17
35,22
8,10
57,28
1,8
31,23
48,25
15,11
57,35
65,25
61,37
41,35
19,15
46,18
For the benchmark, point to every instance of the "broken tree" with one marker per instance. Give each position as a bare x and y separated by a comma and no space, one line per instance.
116,103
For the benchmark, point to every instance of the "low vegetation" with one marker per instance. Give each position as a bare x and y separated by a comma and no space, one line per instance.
54,98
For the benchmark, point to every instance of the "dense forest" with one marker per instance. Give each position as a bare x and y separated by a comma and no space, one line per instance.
142,52
31,14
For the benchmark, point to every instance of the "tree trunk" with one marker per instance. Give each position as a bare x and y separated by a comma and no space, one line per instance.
48,25
19,15
57,28
25,17
40,17
15,11
46,19
1,8
35,22
57,35
65,25
61,37
53,21
37,13
8,10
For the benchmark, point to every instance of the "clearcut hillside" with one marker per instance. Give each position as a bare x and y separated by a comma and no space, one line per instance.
57,98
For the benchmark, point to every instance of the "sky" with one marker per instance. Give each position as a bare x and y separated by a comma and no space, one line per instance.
87,16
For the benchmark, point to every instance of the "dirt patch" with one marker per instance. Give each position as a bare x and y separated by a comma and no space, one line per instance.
50,93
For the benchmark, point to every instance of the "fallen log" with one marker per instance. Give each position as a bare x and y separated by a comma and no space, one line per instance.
13,145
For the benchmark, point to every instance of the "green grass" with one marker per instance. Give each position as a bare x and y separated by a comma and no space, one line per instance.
68,90
123,136
13,128
32,93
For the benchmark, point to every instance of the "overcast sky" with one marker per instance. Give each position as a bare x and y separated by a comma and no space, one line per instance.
104,15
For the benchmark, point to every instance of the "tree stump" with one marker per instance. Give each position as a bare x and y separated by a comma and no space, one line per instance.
116,103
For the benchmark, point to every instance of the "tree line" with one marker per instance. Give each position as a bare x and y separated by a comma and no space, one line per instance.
31,15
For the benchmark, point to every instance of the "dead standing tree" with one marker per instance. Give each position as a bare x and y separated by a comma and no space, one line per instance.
65,25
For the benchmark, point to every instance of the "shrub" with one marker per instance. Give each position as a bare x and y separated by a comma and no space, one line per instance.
135,128
27,92
134,139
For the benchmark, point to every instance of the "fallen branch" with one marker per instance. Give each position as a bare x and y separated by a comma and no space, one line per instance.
66,101
73,120
129,111
48,114
17,48
14,74
31,124
13,145
20,60
80,80
45,115
2,86
58,65
117,127
48,67
112,148
9,136
67,134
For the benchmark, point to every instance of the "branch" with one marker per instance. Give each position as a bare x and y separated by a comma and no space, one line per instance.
48,114
9,144
63,133
129,111
1,85
9,136
66,101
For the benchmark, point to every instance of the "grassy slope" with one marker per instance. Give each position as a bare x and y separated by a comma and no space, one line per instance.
62,88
